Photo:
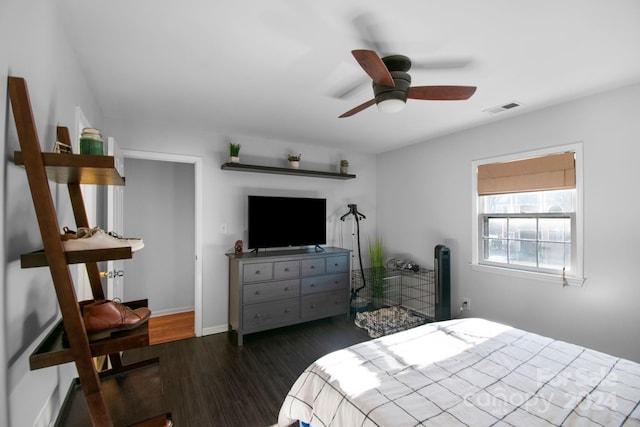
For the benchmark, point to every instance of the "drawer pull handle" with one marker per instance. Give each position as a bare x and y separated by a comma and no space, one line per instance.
313,306
286,289
312,267
286,269
313,285
257,271
257,292
286,310
336,264
258,316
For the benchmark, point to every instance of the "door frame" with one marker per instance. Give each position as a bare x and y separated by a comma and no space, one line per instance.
197,169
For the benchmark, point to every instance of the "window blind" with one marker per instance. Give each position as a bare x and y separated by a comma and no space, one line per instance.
552,172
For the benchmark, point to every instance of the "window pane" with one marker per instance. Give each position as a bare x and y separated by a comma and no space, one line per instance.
495,250
555,229
555,256
496,227
522,228
533,202
558,201
523,253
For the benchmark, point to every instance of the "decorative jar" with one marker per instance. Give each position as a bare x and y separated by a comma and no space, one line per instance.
91,142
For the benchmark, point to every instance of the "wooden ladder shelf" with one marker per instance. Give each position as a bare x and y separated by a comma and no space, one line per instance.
136,383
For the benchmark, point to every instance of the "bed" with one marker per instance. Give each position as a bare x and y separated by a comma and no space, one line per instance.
465,372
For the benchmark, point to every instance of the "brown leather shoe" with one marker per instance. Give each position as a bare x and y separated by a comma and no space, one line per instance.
102,318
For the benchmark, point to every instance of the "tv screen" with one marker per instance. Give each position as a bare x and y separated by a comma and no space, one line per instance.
276,222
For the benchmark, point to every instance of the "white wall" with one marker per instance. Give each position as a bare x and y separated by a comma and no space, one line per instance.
34,46
425,197
225,192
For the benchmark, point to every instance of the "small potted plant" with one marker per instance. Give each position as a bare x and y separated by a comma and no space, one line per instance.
344,166
294,160
234,152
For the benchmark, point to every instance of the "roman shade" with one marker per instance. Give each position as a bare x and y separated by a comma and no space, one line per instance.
551,172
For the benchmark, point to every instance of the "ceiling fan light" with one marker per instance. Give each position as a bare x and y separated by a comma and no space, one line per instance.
391,105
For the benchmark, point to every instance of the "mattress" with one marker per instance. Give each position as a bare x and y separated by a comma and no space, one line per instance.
465,372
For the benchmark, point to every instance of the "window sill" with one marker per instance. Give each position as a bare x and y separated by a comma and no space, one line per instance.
543,277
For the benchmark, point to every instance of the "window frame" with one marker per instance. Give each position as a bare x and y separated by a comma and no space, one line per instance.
575,276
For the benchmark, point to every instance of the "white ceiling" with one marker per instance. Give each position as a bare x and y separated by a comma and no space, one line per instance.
273,68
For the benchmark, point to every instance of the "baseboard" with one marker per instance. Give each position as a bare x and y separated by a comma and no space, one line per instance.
156,313
214,330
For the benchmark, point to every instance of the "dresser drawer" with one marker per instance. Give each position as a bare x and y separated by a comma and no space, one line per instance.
286,269
256,272
267,315
316,306
313,266
260,292
326,283
337,264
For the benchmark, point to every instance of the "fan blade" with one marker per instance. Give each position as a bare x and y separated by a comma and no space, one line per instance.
373,65
359,108
441,93
347,89
373,34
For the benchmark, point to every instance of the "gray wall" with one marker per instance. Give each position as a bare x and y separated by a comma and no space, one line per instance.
225,192
436,196
34,46
159,207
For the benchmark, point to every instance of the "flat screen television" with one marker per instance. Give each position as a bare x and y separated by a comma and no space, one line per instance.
277,222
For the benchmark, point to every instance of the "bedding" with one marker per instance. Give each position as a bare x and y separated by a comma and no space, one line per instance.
465,372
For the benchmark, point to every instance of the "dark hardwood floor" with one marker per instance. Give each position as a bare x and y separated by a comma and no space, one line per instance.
209,381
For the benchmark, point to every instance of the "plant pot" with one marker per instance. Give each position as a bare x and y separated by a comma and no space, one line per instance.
234,159
294,164
344,169
377,302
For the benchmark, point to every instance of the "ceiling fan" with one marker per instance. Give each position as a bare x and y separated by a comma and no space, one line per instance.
392,84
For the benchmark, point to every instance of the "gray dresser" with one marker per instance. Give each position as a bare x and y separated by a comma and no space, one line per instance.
280,288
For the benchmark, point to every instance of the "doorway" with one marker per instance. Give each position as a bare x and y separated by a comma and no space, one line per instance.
185,207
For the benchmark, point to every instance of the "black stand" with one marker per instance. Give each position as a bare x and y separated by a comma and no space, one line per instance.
353,210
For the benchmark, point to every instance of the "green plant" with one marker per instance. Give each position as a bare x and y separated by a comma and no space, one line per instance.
344,163
294,158
234,149
376,261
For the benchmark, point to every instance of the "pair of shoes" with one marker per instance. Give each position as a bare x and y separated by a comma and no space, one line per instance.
96,238
104,317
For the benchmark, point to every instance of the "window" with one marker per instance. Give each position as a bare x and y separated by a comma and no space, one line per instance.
528,230
527,214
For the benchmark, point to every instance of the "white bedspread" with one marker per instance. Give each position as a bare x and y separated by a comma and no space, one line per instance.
466,372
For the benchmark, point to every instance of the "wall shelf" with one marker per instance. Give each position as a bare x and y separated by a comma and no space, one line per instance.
53,351
77,168
39,258
133,392
284,171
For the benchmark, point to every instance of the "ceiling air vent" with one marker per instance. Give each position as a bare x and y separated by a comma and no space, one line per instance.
501,108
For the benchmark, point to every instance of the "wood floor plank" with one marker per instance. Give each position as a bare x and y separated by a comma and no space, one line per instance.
171,327
209,381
